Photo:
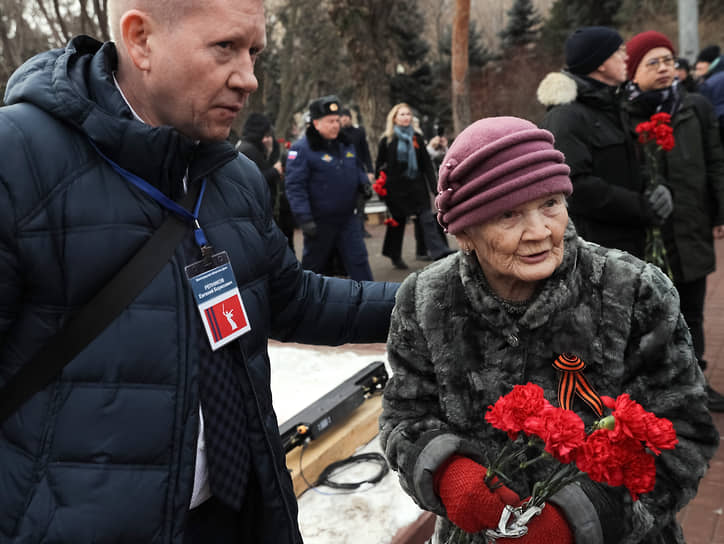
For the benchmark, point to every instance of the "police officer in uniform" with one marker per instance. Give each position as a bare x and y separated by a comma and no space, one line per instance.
323,179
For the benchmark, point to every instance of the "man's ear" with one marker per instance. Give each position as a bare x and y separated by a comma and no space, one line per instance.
136,28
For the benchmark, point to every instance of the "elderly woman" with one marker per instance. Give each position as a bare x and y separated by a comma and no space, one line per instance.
524,290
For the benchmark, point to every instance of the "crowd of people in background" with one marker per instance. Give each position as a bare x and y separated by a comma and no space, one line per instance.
618,200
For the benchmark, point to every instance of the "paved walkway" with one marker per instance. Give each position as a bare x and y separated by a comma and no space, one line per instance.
702,518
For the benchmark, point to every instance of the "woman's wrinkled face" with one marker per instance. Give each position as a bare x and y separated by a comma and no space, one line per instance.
520,247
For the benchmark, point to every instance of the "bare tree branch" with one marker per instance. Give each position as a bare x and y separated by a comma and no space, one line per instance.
61,22
51,22
101,9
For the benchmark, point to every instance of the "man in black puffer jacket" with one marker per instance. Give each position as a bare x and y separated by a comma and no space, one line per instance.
114,449
609,204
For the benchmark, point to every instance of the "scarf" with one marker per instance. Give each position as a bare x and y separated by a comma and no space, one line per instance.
406,149
665,100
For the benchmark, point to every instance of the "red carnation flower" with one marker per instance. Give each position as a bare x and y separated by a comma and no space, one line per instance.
509,413
563,432
600,458
635,422
639,473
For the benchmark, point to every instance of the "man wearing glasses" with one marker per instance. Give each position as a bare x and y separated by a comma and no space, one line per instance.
609,205
693,170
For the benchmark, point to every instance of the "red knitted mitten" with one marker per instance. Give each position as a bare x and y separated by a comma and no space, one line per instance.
470,504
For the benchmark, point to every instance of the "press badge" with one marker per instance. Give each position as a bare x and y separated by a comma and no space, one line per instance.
218,299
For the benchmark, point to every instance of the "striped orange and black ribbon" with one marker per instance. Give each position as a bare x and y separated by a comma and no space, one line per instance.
573,382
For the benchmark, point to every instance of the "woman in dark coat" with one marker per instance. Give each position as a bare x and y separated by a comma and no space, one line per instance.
524,290
405,161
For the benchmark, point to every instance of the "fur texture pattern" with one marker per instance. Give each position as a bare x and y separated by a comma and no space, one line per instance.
555,89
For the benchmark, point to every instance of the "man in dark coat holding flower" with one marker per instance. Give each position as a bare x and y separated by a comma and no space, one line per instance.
693,169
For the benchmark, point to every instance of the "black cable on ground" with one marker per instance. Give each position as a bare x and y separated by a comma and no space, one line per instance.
325,478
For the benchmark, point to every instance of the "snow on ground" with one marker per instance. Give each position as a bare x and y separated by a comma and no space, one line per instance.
331,516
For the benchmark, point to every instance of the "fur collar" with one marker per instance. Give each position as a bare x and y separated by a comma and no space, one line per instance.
317,143
557,88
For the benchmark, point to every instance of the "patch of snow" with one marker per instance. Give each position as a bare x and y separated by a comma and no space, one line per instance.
332,516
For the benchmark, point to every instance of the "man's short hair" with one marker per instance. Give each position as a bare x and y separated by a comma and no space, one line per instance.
165,11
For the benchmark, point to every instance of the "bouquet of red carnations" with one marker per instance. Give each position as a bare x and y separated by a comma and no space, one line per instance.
618,450
656,135
379,184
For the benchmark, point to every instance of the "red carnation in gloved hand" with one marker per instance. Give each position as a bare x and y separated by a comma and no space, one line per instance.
470,504
549,527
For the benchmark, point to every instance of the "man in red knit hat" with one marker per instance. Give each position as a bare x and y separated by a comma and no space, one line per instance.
693,170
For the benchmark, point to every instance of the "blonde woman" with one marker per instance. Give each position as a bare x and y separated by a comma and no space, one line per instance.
410,174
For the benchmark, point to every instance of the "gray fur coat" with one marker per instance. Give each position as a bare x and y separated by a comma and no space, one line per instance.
454,349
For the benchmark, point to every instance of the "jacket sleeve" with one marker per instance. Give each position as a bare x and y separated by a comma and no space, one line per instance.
312,309
297,184
315,309
592,196
664,378
414,435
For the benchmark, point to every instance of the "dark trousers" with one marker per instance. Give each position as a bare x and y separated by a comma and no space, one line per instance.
215,522
347,240
692,295
392,245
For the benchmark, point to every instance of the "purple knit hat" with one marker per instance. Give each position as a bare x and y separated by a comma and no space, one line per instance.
494,165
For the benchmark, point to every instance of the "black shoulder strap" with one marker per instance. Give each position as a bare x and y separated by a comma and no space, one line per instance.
92,319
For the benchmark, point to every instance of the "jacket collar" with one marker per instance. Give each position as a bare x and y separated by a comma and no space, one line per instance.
317,143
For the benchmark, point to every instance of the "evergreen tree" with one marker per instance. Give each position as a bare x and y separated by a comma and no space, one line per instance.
413,83
523,20
567,15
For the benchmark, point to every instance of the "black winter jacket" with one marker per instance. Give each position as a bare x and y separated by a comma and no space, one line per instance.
106,451
694,171
607,204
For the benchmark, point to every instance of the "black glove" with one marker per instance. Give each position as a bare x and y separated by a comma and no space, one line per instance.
660,202
309,228
366,190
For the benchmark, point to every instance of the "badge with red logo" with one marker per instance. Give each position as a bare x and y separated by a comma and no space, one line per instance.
218,299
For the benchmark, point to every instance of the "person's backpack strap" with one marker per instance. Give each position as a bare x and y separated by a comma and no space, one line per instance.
93,318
